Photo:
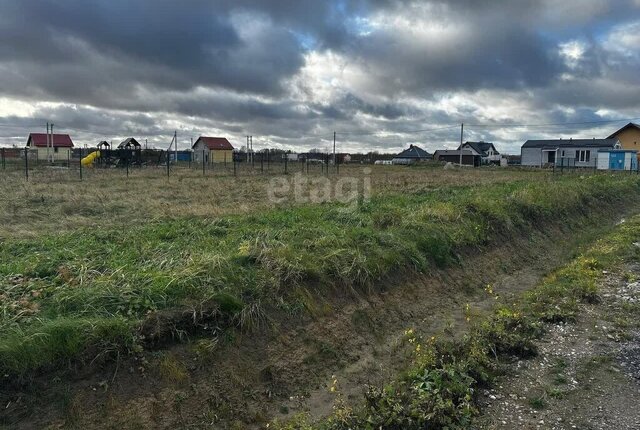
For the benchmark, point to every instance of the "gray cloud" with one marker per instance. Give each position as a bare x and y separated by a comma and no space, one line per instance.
244,66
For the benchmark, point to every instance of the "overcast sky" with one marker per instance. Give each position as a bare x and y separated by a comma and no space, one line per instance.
290,72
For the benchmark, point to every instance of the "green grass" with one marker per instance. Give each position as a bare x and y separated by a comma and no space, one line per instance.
87,293
440,389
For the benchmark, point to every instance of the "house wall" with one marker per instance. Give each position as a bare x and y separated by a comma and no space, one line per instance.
531,156
629,138
63,154
470,148
221,156
538,157
197,152
570,153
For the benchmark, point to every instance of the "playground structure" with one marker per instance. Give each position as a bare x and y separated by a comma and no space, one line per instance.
128,153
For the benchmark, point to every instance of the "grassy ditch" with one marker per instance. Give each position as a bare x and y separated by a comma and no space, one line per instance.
439,390
100,292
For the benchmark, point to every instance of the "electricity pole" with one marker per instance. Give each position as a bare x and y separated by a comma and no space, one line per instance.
48,142
53,150
461,137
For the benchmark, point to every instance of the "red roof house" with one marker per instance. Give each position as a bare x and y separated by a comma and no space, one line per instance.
213,143
39,140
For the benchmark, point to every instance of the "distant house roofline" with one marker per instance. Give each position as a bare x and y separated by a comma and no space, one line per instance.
214,143
571,143
630,125
414,152
39,140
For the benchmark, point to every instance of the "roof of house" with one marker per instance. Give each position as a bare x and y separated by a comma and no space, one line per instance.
630,125
414,152
128,143
482,148
571,143
214,142
40,140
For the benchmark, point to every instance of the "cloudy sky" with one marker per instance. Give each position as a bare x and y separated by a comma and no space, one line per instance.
382,74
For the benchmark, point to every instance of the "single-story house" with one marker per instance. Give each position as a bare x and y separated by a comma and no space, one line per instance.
213,149
629,136
453,156
567,153
129,143
617,159
412,155
61,150
487,152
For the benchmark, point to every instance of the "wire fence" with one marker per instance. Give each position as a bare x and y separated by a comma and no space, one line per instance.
68,164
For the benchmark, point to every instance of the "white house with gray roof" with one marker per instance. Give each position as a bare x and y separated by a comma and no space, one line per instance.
568,153
486,150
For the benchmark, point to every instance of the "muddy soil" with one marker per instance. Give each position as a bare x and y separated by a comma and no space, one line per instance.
285,367
587,375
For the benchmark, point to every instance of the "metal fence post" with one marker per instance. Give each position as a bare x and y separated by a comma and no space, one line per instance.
335,160
286,160
3,160
26,163
235,173
262,162
80,164
167,164
203,165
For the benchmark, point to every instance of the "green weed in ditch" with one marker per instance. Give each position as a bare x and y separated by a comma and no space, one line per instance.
440,388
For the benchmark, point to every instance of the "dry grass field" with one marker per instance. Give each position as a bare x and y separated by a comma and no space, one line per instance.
54,201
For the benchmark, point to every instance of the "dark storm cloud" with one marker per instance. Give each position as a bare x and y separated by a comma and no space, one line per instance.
242,66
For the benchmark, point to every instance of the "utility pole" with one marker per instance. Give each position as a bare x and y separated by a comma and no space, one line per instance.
461,137
53,148
47,141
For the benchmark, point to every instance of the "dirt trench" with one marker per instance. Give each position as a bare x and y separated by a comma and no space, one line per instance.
285,368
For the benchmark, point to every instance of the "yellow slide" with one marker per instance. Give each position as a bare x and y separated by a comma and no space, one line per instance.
89,159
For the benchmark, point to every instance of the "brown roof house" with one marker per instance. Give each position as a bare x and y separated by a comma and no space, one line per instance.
212,150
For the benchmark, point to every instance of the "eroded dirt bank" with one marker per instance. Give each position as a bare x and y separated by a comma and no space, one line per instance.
285,367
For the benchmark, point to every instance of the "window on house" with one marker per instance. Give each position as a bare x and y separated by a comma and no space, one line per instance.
583,156
55,149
